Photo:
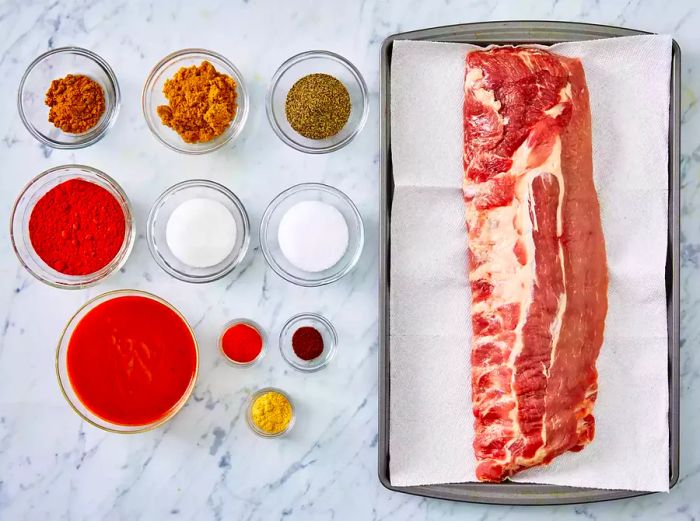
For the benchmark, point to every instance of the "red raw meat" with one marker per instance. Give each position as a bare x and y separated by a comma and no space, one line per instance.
537,267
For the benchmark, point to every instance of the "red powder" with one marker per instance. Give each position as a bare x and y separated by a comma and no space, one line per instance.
242,343
307,343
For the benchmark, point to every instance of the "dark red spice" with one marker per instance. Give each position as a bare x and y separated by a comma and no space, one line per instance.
77,227
242,343
307,343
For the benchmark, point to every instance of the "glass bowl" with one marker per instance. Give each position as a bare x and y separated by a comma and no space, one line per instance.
249,413
153,97
323,326
297,67
158,220
22,211
37,79
65,383
269,228
255,326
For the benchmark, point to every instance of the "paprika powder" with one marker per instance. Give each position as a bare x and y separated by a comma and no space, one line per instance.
241,343
77,227
307,343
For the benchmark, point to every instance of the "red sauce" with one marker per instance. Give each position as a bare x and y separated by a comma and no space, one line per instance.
131,359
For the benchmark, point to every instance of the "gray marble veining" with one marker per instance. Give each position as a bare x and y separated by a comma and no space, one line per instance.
205,464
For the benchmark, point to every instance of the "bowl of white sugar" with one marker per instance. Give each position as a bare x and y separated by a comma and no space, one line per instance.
198,231
312,234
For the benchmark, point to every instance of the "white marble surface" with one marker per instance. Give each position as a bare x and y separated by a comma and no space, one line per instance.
206,464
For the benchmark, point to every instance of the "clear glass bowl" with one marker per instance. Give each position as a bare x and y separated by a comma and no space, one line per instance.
269,228
153,97
65,383
249,413
158,220
312,62
37,79
22,211
255,326
323,326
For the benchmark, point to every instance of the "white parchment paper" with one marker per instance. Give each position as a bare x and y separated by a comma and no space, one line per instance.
431,429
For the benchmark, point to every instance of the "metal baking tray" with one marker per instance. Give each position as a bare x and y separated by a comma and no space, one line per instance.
525,32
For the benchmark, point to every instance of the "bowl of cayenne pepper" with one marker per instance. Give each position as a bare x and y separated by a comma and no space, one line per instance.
72,226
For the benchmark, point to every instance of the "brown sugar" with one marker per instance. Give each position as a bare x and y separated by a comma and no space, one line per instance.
76,103
201,103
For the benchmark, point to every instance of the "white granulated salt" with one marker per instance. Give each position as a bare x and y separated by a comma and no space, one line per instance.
201,232
313,236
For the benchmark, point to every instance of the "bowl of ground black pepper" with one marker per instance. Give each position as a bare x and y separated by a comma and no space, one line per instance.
68,98
317,102
308,342
195,101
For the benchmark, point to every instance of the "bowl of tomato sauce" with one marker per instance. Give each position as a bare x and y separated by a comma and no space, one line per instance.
127,361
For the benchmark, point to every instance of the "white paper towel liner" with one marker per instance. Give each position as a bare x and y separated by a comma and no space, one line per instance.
431,424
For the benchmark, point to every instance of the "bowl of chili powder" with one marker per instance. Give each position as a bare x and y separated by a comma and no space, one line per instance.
72,226
308,342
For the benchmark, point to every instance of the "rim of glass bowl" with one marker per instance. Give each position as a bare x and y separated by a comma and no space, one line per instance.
315,317
249,413
241,93
248,323
275,82
63,341
264,224
91,139
76,281
150,235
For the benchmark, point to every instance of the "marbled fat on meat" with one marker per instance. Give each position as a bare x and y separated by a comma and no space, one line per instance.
537,264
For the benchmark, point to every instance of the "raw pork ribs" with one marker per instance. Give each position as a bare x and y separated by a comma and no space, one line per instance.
537,264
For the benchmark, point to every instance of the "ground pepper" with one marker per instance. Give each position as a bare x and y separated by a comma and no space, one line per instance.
76,103
77,227
271,412
201,103
318,106
307,343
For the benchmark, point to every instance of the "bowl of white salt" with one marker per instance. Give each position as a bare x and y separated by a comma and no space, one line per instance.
312,234
198,231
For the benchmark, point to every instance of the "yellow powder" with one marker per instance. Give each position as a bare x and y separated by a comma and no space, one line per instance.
271,412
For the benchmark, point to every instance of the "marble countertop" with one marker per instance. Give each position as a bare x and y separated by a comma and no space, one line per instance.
205,464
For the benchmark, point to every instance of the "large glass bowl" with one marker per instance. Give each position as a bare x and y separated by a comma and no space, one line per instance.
312,62
65,383
37,79
153,97
22,211
269,229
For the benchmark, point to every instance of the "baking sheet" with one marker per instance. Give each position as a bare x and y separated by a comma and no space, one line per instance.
508,492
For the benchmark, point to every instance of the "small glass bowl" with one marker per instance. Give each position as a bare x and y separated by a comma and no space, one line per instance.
62,367
22,211
269,228
312,62
257,328
37,79
249,413
153,97
158,220
323,326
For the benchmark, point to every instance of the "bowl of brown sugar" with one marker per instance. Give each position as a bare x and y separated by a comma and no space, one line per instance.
195,101
68,98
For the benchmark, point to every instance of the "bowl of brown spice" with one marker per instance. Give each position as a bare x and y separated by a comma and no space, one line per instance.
195,101
317,102
68,98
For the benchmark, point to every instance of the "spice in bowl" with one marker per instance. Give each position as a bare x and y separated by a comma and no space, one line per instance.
313,236
318,106
307,343
201,232
76,103
201,103
270,413
241,343
77,227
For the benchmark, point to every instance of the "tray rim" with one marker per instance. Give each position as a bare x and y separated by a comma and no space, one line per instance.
520,493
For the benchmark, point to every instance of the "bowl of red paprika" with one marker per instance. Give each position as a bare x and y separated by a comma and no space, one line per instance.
72,226
242,343
308,342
